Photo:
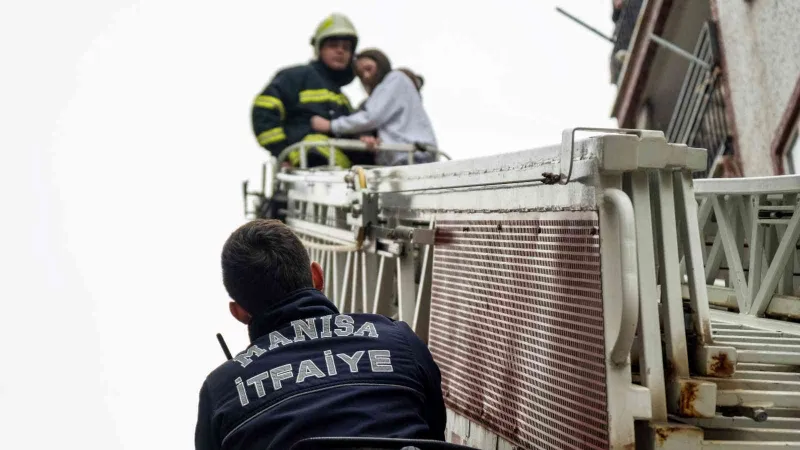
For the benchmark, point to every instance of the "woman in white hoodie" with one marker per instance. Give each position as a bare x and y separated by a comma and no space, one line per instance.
393,109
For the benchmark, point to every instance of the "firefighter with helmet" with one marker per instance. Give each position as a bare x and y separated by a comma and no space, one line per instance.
281,114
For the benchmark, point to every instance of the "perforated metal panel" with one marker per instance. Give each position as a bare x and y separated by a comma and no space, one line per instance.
517,327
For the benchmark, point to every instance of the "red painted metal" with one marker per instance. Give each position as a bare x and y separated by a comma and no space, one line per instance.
517,327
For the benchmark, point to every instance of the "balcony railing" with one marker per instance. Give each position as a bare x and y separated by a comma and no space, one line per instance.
623,33
698,119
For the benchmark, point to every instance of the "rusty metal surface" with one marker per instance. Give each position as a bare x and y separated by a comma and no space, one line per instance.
722,366
517,327
688,397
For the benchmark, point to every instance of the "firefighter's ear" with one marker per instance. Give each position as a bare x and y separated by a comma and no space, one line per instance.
239,313
317,277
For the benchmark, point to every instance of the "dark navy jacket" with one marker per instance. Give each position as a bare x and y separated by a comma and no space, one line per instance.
281,115
311,371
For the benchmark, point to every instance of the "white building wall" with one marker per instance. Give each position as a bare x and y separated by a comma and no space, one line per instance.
761,39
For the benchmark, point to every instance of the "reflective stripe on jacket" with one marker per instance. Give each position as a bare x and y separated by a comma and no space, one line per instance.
281,115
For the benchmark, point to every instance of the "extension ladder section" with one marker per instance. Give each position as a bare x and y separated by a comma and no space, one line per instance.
563,292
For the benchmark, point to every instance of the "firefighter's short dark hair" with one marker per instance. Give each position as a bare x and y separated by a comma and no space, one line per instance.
262,262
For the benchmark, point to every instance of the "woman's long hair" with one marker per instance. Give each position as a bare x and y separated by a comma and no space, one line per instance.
416,78
384,66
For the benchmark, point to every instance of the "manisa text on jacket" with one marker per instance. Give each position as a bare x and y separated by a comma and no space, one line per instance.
380,360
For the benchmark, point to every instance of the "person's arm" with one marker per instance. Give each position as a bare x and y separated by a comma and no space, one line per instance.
435,412
205,438
379,108
269,114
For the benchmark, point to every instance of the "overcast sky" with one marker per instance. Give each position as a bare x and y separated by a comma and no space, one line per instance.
125,137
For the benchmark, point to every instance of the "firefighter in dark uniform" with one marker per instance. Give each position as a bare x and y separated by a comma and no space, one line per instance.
310,371
281,114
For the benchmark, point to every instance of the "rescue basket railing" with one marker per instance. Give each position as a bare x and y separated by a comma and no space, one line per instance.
354,145
271,168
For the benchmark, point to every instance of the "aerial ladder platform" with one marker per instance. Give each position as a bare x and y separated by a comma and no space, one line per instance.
585,295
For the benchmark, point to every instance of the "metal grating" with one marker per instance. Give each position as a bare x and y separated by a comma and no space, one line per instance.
517,328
